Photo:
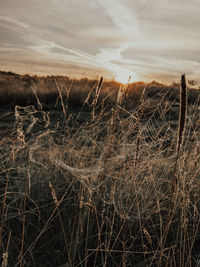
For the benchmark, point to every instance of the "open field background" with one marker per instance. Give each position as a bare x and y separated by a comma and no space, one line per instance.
87,174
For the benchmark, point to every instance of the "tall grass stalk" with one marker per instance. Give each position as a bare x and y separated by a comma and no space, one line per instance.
175,181
137,125
96,97
110,199
21,263
61,98
181,126
3,211
6,253
57,203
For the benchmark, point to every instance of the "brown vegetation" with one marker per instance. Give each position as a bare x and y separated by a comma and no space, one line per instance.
86,175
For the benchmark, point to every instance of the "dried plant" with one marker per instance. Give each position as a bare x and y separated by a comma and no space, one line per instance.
100,195
181,124
182,112
96,97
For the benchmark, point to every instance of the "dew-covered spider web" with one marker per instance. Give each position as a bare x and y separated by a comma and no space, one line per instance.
123,157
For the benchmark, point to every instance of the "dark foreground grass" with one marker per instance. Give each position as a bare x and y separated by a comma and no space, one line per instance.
92,187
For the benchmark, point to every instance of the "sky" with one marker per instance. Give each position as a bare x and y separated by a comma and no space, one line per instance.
145,39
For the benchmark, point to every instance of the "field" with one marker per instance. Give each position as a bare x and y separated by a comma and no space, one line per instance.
94,173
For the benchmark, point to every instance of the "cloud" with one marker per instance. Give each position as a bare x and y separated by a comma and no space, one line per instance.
118,36
14,21
121,16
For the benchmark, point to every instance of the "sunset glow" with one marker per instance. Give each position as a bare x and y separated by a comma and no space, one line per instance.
154,40
122,78
126,77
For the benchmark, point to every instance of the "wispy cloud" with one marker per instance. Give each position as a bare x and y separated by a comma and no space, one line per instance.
128,24
14,21
121,16
152,39
102,60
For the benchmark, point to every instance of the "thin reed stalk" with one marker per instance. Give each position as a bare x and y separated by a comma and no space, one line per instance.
57,203
174,188
137,125
182,123
98,89
182,113
5,254
37,98
61,98
3,211
122,92
23,229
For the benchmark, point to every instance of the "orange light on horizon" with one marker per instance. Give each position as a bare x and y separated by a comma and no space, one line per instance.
126,77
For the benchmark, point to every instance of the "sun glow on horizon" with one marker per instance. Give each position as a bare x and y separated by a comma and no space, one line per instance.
126,77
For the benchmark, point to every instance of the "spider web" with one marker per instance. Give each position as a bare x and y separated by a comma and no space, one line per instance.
124,157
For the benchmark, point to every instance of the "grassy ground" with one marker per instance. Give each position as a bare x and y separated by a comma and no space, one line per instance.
87,173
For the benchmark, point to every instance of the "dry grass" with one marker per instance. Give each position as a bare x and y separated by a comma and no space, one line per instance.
91,187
